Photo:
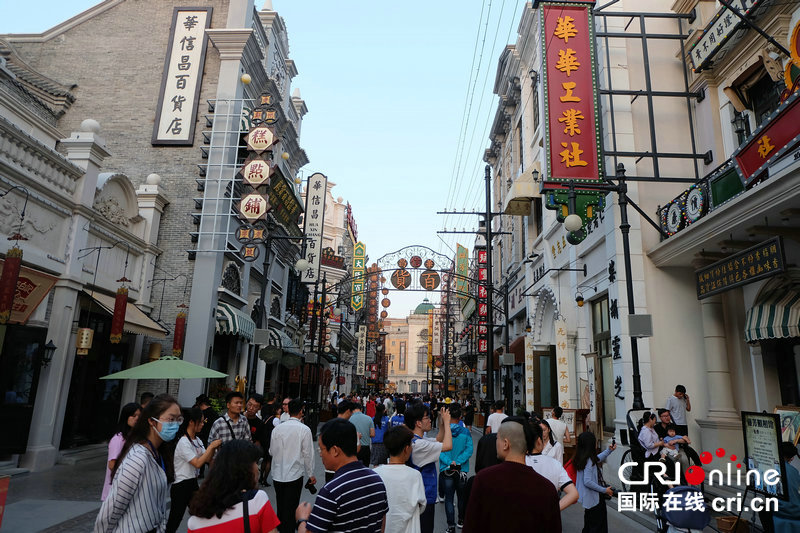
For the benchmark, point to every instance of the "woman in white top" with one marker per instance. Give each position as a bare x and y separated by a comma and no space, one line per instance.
648,437
190,455
137,501
552,448
127,419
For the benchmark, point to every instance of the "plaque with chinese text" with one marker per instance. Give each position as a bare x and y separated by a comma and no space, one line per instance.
183,74
761,261
253,206
256,172
717,33
359,270
260,138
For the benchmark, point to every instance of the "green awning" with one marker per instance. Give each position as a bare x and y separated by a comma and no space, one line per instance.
232,321
775,314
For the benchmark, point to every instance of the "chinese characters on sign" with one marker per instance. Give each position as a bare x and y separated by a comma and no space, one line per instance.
183,73
572,148
774,138
761,261
362,350
716,34
529,383
562,364
462,272
483,302
314,223
359,279
253,207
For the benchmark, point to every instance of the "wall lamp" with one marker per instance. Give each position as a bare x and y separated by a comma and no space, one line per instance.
530,258
49,351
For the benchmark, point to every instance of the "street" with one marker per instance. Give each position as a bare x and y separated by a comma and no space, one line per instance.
65,499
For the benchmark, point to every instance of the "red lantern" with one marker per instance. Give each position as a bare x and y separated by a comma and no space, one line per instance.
118,319
8,282
180,333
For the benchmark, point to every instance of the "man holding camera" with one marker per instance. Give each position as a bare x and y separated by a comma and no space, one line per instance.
292,450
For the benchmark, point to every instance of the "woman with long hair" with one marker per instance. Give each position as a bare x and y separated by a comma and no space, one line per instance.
190,455
592,491
127,419
137,501
230,491
552,448
377,451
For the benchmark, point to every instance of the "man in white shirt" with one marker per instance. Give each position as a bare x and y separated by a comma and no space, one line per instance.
550,469
678,405
496,418
558,427
292,450
404,487
425,453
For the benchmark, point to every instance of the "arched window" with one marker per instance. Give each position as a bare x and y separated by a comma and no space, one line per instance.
413,386
231,280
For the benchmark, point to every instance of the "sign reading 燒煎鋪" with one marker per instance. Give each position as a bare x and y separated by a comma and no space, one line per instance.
761,261
572,131
314,224
183,73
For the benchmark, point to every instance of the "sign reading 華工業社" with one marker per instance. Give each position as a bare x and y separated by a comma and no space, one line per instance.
314,223
183,73
761,261
572,131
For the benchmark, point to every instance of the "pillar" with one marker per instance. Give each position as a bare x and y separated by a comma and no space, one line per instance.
718,377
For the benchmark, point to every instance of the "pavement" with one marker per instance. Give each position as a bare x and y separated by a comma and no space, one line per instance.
66,498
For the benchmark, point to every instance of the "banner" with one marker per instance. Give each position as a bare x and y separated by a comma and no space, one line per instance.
562,362
314,224
462,272
359,276
362,351
529,376
430,339
32,287
762,438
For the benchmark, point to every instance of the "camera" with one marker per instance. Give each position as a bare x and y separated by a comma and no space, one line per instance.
310,486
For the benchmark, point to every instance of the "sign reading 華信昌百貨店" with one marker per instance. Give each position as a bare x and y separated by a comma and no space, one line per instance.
183,73
761,261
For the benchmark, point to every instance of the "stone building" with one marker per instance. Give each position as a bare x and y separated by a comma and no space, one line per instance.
117,71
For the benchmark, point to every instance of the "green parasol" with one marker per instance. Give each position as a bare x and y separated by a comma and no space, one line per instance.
166,367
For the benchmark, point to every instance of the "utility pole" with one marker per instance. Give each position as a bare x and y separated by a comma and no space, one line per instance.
490,289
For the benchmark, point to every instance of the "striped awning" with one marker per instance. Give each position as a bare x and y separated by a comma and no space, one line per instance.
231,321
288,345
776,313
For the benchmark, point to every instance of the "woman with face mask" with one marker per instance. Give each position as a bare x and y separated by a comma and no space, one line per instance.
190,455
137,501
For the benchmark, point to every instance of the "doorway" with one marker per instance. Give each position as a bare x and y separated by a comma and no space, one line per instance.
93,404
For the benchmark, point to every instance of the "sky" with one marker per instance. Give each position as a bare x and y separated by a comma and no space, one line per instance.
400,103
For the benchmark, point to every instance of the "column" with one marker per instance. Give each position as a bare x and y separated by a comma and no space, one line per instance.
759,380
720,391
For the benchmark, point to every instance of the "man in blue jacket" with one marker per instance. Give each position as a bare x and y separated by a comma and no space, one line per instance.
454,467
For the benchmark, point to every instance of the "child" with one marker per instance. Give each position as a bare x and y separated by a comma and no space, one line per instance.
671,442
404,488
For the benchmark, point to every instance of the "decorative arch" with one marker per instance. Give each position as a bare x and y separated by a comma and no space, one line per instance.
545,311
115,199
232,278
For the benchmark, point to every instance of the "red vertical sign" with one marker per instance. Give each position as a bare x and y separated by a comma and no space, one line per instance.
570,93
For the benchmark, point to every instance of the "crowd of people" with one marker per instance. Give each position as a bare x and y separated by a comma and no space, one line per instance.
382,471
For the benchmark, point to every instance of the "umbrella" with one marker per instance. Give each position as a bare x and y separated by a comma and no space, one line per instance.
167,367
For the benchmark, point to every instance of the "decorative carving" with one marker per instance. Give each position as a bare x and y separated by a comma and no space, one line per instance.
231,279
112,211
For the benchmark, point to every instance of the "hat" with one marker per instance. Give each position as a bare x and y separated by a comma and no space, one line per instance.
448,400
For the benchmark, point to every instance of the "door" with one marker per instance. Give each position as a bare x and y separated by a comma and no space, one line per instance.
21,349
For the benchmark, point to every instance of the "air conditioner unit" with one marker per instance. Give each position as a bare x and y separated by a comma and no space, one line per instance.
640,325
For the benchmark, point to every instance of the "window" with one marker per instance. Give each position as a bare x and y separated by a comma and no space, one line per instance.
601,330
538,217
765,97
422,359
535,101
402,355
520,149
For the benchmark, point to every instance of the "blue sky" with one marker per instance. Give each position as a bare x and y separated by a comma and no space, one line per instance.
400,101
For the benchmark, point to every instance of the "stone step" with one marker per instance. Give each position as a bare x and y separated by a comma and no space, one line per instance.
80,454
9,468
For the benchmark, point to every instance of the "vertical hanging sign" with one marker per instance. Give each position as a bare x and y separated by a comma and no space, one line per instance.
530,398
462,272
314,224
359,276
483,302
562,363
361,362
183,74
572,131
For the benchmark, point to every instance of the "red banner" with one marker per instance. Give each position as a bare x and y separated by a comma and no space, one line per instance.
8,282
118,318
770,141
570,93
180,333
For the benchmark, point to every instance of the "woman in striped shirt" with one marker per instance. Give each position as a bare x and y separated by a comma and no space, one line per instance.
137,501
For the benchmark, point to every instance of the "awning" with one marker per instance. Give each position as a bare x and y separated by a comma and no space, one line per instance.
136,321
286,342
231,321
775,314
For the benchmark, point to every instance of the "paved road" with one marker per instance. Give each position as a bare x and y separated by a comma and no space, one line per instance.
65,499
